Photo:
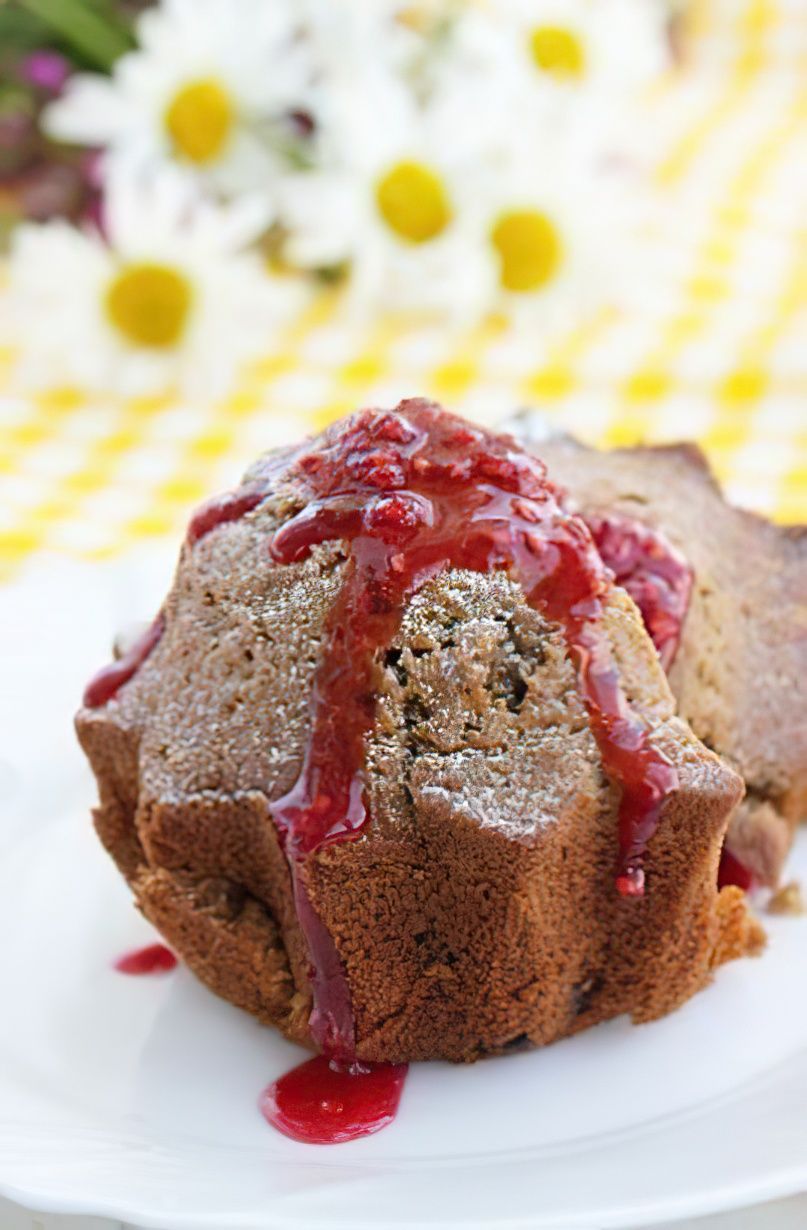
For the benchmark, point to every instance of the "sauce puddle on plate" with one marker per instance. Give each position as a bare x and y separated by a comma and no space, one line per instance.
153,959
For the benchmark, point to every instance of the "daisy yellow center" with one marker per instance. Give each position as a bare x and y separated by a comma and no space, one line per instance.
413,201
558,51
199,120
149,304
529,248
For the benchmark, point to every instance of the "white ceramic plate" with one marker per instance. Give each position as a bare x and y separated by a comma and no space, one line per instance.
136,1098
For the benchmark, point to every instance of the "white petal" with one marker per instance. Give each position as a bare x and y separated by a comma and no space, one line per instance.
90,112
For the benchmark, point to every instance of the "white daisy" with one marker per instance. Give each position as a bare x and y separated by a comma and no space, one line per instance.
554,243
420,42
461,203
172,298
596,45
389,202
224,87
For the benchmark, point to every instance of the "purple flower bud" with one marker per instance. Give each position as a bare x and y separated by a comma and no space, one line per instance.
93,215
302,122
92,168
46,70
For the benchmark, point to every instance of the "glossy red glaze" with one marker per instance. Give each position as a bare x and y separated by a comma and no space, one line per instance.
231,506
653,571
412,493
732,871
153,959
321,1104
110,679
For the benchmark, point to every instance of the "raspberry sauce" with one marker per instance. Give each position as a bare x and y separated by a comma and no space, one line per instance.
221,509
110,679
231,506
153,959
412,493
320,1103
732,871
653,571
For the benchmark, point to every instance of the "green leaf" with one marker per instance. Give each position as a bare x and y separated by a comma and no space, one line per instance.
20,31
96,36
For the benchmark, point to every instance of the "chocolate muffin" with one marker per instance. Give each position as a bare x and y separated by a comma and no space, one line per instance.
740,673
397,769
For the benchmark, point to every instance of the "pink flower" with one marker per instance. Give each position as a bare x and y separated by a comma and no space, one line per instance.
46,70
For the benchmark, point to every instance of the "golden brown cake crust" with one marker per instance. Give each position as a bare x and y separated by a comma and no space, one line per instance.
477,911
740,676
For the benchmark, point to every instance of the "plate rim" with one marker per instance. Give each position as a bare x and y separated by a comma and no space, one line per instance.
792,1181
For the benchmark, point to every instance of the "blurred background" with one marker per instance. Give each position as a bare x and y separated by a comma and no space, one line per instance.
226,222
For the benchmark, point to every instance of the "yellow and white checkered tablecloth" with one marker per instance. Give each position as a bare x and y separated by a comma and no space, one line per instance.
721,357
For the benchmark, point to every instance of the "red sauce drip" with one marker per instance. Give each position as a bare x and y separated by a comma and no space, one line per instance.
732,871
110,679
413,493
320,1103
231,506
653,571
154,959
221,509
